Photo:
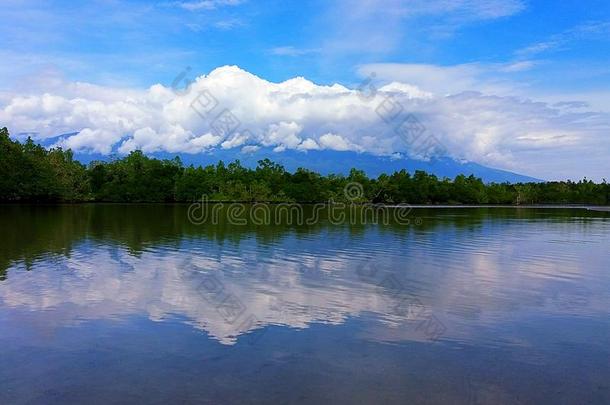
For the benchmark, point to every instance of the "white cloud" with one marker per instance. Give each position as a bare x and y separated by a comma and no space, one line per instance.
235,140
250,149
206,4
283,134
465,9
337,142
163,284
537,138
228,24
384,26
98,140
486,77
170,138
519,66
292,51
309,144
588,31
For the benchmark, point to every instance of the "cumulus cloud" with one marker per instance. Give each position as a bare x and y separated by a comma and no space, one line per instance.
250,149
309,144
283,134
337,142
233,109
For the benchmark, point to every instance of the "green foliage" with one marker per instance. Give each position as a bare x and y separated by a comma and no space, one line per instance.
29,172
135,178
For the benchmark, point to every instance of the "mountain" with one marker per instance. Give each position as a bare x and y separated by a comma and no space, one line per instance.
328,161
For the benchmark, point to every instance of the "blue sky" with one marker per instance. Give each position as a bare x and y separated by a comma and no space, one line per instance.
532,52
144,42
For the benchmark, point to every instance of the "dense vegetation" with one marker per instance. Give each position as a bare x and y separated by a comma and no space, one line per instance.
29,172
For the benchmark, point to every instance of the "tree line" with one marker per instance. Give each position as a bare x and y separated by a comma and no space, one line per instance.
32,173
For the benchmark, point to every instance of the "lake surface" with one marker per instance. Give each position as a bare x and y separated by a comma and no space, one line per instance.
137,304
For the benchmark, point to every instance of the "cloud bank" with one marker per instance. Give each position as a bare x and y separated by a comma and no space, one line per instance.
232,109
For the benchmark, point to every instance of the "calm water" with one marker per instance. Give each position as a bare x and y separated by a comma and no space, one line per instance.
135,304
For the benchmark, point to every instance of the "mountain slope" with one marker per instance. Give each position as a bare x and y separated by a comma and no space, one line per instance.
327,161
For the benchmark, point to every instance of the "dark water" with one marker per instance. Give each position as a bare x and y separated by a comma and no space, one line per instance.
135,304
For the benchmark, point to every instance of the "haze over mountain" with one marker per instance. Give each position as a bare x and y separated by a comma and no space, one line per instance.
336,162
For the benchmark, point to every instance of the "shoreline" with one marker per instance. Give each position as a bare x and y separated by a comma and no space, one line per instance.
601,208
